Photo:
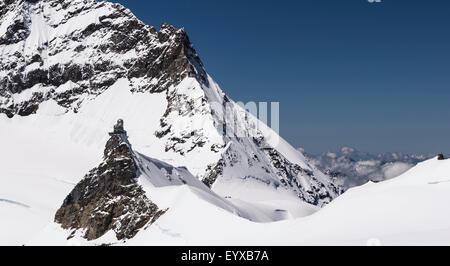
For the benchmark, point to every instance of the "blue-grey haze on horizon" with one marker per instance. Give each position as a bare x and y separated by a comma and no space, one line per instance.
374,76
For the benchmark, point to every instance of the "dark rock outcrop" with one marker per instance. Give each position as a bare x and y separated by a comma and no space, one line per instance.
109,197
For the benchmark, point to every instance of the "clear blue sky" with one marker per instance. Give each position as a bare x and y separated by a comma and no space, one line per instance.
346,72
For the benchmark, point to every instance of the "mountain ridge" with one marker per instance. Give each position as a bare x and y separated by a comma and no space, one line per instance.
89,62
162,58
352,168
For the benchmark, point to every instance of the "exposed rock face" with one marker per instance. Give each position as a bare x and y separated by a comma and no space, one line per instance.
42,52
109,198
317,193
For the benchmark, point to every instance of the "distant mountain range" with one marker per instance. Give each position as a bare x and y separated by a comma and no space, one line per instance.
351,167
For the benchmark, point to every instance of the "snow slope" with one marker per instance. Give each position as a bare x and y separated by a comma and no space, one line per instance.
409,210
44,156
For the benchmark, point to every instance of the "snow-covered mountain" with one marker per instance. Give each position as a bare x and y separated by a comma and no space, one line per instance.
352,168
96,62
70,69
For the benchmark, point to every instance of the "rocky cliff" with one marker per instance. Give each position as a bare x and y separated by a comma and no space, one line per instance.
91,44
109,198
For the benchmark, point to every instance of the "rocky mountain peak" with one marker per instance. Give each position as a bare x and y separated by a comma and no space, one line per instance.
43,43
109,198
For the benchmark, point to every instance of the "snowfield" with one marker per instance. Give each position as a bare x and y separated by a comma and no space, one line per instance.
409,210
44,162
46,154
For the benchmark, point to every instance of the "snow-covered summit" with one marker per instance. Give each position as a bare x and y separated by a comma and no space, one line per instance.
72,50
